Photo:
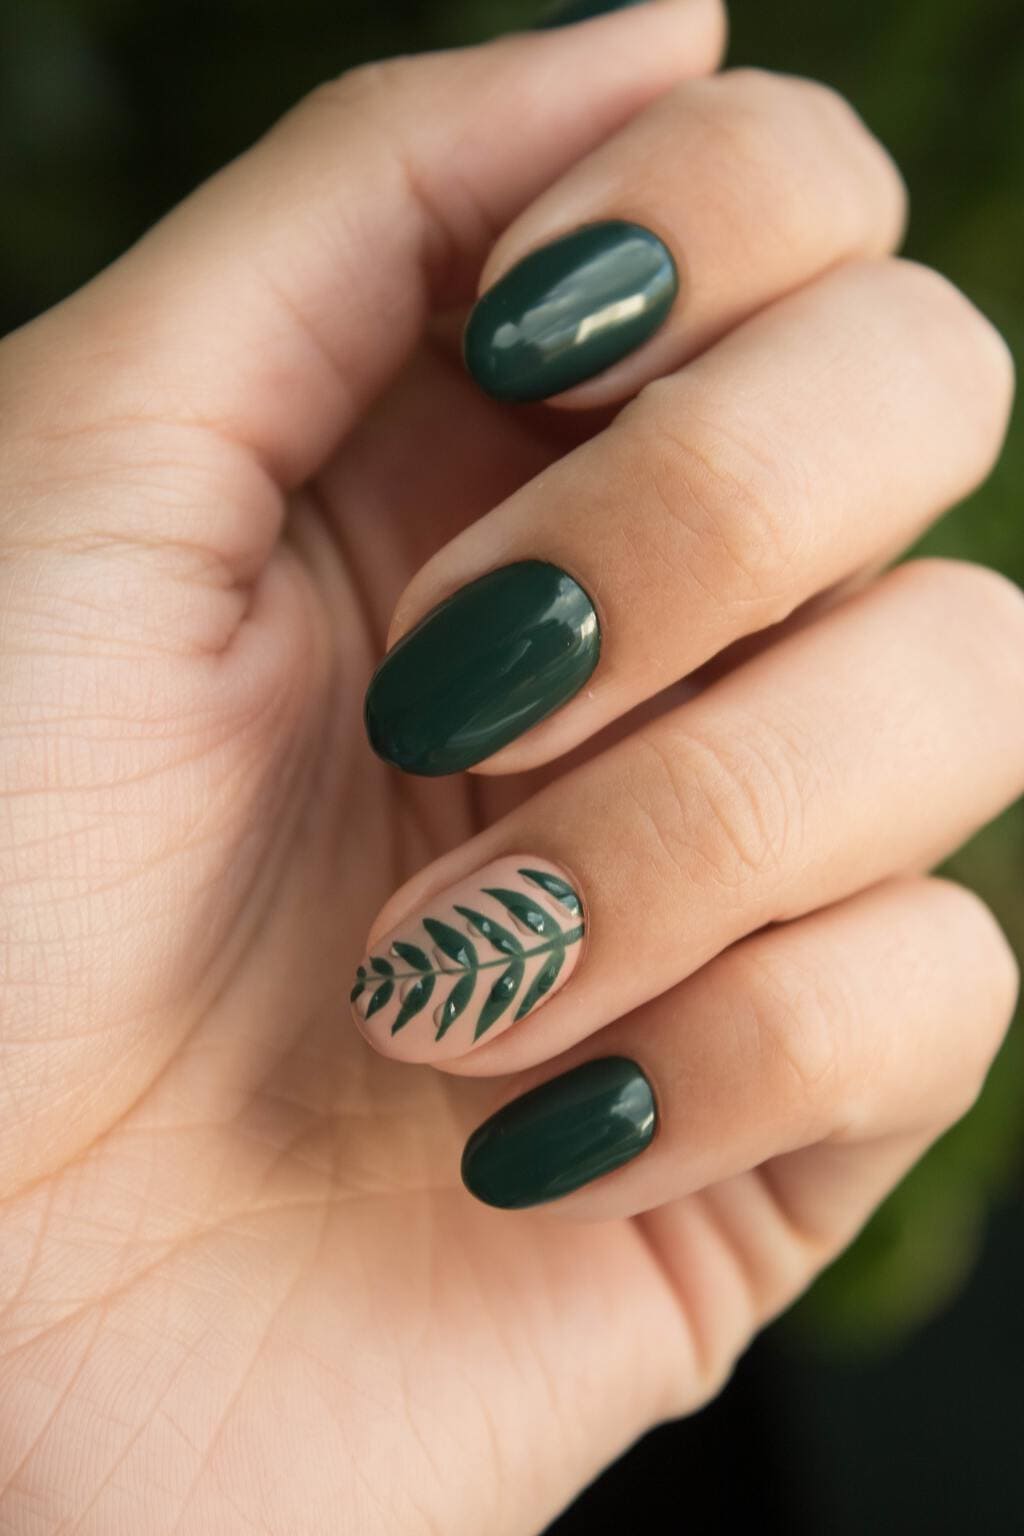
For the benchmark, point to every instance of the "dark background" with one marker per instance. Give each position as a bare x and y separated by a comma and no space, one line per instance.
890,1400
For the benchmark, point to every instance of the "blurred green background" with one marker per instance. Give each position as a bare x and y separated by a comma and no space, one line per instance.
111,110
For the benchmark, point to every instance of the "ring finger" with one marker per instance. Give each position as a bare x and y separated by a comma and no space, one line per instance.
871,742
869,1025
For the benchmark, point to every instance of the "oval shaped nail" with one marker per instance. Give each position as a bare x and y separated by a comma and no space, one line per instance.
561,1135
484,666
569,310
474,960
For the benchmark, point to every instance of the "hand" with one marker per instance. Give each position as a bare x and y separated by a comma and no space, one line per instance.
243,1287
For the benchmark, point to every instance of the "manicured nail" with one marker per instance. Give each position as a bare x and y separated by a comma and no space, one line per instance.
479,957
493,659
570,310
569,1131
582,10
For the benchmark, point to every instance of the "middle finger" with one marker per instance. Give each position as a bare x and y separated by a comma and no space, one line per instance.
820,436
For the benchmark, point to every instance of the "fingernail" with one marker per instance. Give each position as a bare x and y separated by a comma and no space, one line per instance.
569,310
480,956
582,10
566,1133
484,666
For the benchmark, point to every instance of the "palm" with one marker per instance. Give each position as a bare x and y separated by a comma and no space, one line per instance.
259,1252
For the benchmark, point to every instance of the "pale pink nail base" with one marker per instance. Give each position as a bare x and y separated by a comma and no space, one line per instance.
478,957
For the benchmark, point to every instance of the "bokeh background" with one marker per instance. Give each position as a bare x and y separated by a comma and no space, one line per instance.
889,1400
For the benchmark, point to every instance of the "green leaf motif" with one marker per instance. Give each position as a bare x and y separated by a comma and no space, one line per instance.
542,983
500,937
380,998
411,955
501,994
415,1000
452,943
559,889
456,960
456,1002
527,912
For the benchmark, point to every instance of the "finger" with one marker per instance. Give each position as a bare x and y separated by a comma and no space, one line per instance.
274,303
831,427
872,1022
720,197
880,735
427,459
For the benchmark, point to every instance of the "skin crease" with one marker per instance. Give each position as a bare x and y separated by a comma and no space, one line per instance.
240,1286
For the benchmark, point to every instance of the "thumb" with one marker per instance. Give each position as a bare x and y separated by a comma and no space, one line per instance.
281,297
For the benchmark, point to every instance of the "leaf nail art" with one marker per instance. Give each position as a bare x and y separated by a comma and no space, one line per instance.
491,949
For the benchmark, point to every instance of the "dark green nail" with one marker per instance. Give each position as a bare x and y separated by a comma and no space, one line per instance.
561,1135
582,10
569,311
485,665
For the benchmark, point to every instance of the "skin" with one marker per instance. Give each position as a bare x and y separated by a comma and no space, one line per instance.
240,1285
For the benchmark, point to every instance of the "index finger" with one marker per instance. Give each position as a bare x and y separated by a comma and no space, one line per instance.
280,298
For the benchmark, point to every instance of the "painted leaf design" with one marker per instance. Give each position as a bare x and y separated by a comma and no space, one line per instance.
455,959
380,998
542,982
452,943
526,910
455,1003
415,1000
411,955
500,937
501,994
559,889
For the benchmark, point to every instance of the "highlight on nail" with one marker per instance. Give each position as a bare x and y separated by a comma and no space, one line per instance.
570,309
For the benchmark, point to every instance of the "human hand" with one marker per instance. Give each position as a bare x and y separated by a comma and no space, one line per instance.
242,1284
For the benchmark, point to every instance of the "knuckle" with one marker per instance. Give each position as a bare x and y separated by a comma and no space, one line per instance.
810,118
836,123
945,318
801,1012
775,90
831,110
381,94
980,609
989,592
725,811
368,83
994,992
742,516
742,119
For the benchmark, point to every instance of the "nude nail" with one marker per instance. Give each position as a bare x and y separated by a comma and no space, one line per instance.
479,957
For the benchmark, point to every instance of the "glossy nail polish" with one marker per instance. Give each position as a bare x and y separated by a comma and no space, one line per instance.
570,310
476,959
561,1135
583,10
484,666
